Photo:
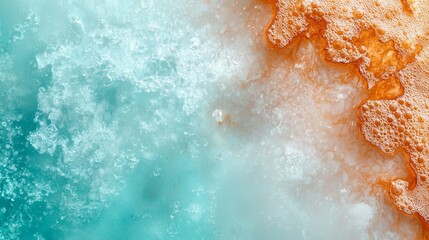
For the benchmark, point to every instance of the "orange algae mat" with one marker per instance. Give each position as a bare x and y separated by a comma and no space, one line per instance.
387,41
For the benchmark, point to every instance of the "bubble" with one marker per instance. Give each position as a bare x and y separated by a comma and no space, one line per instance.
218,116
393,107
408,115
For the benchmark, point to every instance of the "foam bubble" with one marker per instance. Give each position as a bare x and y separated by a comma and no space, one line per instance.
387,42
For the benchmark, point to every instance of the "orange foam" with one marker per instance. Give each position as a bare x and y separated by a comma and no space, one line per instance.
387,42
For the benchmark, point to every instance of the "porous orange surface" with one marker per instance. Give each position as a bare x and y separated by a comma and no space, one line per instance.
387,41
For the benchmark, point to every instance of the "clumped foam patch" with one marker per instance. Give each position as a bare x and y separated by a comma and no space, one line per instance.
386,41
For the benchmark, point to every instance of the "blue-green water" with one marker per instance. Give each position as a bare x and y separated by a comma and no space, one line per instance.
104,131
110,127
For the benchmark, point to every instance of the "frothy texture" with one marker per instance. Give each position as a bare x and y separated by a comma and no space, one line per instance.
387,41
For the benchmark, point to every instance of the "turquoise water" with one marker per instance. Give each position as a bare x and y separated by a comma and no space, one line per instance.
114,125
96,140
104,131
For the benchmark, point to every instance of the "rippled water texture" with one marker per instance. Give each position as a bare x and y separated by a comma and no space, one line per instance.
162,119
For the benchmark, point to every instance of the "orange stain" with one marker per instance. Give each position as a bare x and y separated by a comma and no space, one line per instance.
383,41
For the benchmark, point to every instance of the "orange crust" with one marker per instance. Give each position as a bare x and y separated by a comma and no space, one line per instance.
390,62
